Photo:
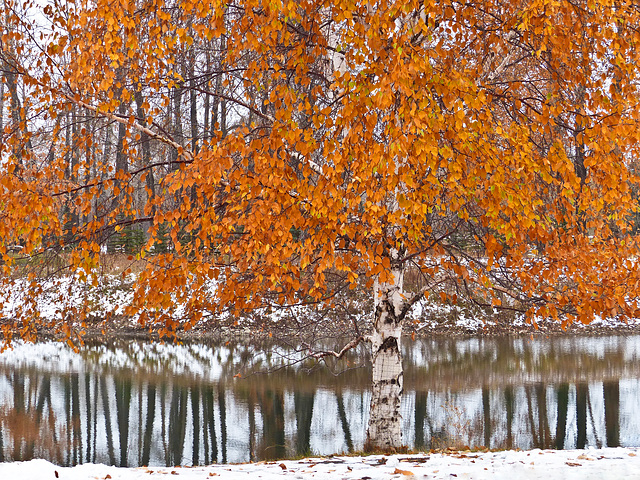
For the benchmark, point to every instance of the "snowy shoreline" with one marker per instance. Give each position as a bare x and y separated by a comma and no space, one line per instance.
107,304
589,464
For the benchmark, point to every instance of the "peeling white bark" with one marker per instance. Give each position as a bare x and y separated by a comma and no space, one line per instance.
384,431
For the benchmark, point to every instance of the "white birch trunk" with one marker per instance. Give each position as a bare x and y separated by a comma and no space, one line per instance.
384,432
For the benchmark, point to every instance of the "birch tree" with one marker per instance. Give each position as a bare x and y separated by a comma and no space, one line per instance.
485,146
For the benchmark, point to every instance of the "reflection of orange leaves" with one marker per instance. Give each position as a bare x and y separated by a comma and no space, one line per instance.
25,426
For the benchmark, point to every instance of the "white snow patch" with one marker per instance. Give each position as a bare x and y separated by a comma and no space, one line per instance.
590,464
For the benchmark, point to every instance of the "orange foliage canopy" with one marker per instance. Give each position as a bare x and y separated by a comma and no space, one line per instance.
490,144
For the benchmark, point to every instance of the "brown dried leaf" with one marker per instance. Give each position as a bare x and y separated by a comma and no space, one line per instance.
402,472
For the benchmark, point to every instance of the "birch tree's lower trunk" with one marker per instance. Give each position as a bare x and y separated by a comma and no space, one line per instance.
384,431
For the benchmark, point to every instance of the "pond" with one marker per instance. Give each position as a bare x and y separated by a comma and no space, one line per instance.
131,403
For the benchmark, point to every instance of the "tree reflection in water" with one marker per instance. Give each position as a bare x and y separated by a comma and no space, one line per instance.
137,404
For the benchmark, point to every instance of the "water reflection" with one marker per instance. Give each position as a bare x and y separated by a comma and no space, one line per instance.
134,404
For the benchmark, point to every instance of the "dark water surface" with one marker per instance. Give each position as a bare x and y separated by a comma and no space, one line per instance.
132,403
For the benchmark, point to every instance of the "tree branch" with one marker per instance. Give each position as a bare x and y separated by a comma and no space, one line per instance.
349,346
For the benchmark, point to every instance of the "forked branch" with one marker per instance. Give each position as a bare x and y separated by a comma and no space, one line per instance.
331,353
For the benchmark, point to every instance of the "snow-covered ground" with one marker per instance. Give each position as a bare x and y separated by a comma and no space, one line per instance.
113,294
592,464
60,295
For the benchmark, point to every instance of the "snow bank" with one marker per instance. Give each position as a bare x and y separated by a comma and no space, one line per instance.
114,293
593,464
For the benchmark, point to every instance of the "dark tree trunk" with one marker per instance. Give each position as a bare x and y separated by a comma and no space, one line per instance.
582,390
148,430
304,413
561,425
612,412
486,411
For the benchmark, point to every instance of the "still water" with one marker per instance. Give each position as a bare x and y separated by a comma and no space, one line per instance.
132,403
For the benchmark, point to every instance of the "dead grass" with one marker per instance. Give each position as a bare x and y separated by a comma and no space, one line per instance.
118,263
53,265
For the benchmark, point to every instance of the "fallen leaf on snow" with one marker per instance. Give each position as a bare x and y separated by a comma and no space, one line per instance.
283,466
403,472
573,464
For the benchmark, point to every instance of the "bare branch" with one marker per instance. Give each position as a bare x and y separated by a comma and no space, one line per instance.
349,346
